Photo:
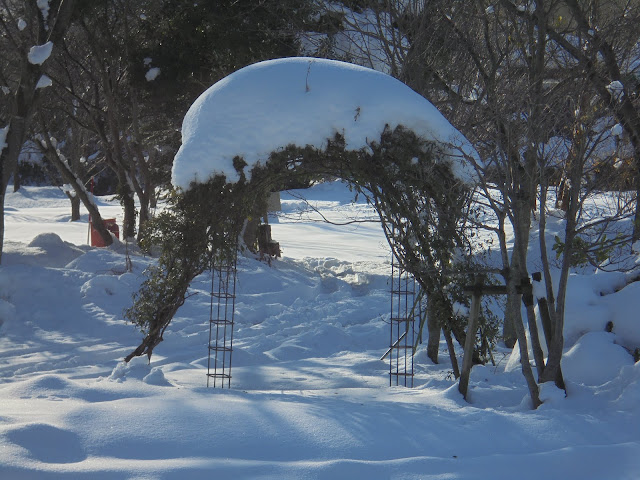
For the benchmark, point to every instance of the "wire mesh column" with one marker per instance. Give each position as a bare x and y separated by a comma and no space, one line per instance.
404,311
221,318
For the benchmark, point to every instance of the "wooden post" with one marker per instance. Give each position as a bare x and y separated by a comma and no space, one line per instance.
477,290
467,361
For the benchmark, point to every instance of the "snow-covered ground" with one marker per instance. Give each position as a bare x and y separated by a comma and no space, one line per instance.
309,397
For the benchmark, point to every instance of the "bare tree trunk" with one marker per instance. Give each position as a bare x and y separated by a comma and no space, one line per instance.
548,313
553,371
75,207
526,366
434,325
129,206
527,299
17,181
80,192
512,313
144,188
469,344
452,352
9,155
524,180
550,301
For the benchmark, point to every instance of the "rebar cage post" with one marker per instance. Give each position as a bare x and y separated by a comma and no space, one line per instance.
221,319
404,312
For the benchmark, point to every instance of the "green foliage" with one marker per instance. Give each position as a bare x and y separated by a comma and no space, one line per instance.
416,195
199,223
584,252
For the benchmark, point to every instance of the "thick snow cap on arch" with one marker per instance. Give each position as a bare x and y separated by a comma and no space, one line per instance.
302,101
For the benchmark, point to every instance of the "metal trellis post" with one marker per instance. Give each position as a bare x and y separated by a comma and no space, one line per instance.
221,319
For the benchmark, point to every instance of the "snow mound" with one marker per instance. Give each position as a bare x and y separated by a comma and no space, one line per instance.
550,395
623,312
139,369
302,101
47,241
45,250
110,260
595,359
58,252
156,377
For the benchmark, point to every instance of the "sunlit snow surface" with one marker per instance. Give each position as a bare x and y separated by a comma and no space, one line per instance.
264,107
310,398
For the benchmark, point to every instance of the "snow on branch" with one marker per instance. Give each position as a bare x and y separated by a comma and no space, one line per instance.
38,54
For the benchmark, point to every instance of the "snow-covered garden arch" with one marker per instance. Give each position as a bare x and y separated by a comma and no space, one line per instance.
304,117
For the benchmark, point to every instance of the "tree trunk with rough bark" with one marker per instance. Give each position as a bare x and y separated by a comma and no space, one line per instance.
528,300
469,344
75,207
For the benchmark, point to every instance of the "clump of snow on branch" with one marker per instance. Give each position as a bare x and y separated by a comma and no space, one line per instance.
43,5
616,89
301,101
616,130
529,7
21,24
68,189
44,82
152,74
38,54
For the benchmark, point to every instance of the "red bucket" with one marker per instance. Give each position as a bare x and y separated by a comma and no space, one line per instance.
112,226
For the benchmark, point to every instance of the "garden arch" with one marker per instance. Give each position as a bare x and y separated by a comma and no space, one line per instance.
305,118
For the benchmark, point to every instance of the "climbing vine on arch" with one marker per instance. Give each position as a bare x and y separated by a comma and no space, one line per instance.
408,180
